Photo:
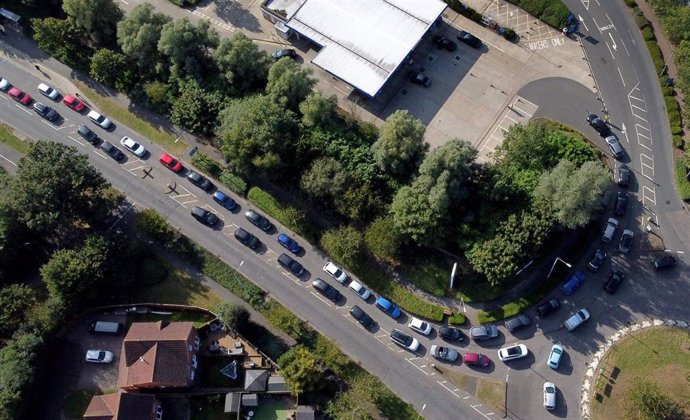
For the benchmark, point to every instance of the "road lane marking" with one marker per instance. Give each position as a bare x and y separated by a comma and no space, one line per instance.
100,154
609,48
1,156
621,75
319,298
625,47
76,141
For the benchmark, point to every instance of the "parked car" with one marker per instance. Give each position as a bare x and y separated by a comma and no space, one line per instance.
289,243
549,395
48,91
19,96
444,353
554,360
476,359
46,112
101,120
450,333
547,307
517,322
133,146
204,216
199,180
247,238
326,289
258,220
614,281
291,265
621,203
105,327
615,146
404,340
362,317
576,319
605,200
87,134
597,260
469,39
73,103
598,124
626,242
485,332
623,178
419,78
388,307
336,272
571,285
420,326
5,85
99,356
665,262
112,151
224,200
609,230
170,162
287,52
517,351
445,43
360,290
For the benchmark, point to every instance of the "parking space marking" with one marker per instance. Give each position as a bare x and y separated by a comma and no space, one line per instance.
100,154
288,275
185,198
76,141
450,390
647,163
422,370
649,194
128,166
3,157
23,109
319,298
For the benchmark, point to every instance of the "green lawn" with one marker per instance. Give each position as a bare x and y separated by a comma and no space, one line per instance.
493,393
10,140
178,288
661,355
75,404
209,407
272,408
211,376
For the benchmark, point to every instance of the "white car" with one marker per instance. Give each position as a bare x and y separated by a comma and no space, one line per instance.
516,351
549,395
4,85
336,272
420,326
360,290
48,91
99,356
99,119
133,146
576,319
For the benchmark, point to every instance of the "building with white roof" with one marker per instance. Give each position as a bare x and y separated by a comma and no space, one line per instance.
362,42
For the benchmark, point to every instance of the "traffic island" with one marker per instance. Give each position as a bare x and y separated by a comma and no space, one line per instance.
490,391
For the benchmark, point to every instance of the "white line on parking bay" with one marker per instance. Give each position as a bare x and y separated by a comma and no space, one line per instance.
76,141
1,156
319,298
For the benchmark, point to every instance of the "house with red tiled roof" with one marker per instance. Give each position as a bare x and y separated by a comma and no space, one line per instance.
158,355
123,406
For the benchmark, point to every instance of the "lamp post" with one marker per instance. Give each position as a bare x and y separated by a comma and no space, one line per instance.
554,265
420,413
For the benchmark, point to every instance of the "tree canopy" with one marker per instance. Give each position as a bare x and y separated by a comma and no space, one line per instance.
400,146
242,64
301,370
138,35
97,18
289,84
188,47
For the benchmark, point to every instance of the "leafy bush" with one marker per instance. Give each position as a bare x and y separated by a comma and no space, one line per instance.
152,223
343,244
466,11
631,3
234,182
640,20
667,91
509,34
382,240
153,271
676,130
206,164
682,180
678,142
236,283
552,12
287,215
648,34
673,110
657,56
456,319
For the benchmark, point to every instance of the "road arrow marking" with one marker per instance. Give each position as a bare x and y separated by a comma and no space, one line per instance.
614,42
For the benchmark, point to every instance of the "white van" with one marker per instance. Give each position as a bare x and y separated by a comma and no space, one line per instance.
105,327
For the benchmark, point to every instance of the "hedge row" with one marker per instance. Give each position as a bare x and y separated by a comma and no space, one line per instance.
682,180
214,169
289,216
552,12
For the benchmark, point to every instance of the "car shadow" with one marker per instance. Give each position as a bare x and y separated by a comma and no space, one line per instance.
566,365
403,318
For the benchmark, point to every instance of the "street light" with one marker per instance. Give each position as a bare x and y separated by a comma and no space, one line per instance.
420,413
554,265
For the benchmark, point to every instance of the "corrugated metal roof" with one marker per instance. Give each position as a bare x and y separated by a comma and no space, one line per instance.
364,41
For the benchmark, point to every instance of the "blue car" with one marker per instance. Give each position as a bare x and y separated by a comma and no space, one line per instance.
224,200
571,285
289,243
388,307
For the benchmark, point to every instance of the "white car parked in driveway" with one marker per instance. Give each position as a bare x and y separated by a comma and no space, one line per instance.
509,353
99,356
420,326
336,272
133,146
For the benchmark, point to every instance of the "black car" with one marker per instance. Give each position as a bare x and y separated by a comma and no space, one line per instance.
598,124
87,134
362,317
517,322
597,260
112,151
419,78
450,333
288,52
469,39
621,203
665,262
291,265
615,280
199,180
445,43
547,307
46,112
626,243
326,289
247,238
258,220
623,178
204,216
605,200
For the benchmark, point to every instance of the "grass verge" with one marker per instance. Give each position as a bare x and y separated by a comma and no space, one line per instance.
158,135
660,355
493,393
682,180
75,403
8,138
178,288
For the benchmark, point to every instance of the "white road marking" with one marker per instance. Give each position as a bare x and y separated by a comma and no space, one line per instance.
610,21
100,154
610,52
621,75
76,141
625,47
319,298
582,21
596,24
1,156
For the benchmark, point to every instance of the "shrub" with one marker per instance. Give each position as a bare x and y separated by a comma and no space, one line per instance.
456,319
287,215
678,142
631,3
676,130
153,224
207,165
152,271
343,244
673,110
235,316
648,34
234,182
640,20
657,56
382,240
667,91
555,14
509,34
222,273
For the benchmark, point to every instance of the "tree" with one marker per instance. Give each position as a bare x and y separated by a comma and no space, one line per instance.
344,244
196,109
157,94
319,111
400,146
382,240
15,301
301,370
97,18
233,315
646,400
61,39
360,202
289,84
111,69
676,24
242,64
71,191
571,194
138,35
325,178
17,373
188,47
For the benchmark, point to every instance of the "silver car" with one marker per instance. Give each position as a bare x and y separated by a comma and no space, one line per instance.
517,322
485,332
549,395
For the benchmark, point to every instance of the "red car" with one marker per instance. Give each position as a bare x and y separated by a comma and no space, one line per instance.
20,96
170,162
476,359
74,103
